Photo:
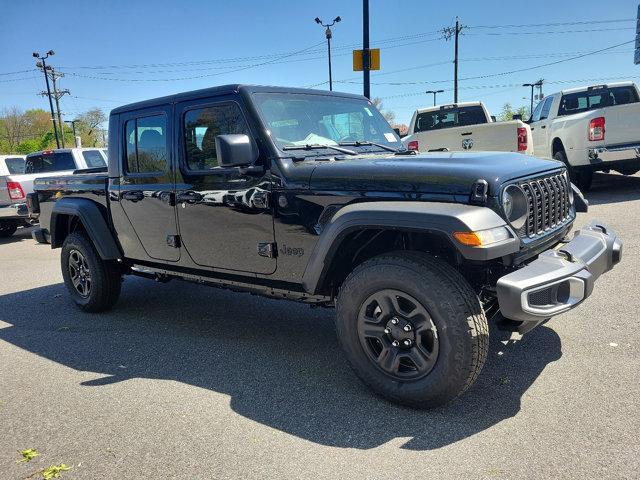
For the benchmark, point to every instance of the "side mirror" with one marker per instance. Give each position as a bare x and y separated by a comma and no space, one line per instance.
235,150
517,116
397,130
493,118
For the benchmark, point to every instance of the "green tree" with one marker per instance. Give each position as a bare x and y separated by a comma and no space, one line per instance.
389,115
508,112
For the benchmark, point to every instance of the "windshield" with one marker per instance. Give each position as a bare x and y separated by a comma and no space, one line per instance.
450,117
15,165
307,119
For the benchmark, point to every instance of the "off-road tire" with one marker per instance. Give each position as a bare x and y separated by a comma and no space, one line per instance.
462,329
105,275
7,229
581,177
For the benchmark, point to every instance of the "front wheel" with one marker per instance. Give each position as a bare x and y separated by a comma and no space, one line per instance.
412,328
94,283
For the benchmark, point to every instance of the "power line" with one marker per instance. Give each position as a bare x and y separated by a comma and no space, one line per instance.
519,85
555,24
554,32
510,71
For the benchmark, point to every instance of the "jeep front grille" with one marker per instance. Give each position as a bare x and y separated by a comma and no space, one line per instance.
548,199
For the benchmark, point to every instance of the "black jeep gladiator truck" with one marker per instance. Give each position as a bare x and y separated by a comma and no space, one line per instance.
310,196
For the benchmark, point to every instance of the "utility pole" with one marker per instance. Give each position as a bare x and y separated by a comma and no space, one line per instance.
435,92
327,33
57,94
449,32
42,64
75,135
365,49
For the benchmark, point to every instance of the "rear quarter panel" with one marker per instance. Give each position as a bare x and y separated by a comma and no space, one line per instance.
51,189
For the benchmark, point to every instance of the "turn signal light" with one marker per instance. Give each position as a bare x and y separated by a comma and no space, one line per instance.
482,237
15,191
413,145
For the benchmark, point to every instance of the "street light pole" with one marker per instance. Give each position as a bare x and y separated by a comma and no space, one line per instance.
435,92
532,85
46,78
327,33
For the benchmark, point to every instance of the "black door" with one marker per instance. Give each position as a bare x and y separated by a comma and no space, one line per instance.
223,213
147,185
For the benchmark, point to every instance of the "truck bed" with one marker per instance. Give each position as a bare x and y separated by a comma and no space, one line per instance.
81,185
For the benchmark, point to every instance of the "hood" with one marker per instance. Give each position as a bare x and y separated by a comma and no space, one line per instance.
442,173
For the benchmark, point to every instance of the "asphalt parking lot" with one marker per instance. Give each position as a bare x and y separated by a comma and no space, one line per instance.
184,381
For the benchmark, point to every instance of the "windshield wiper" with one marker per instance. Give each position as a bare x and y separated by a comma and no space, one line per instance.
316,146
366,143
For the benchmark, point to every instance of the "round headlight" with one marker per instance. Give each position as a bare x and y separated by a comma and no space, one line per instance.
515,206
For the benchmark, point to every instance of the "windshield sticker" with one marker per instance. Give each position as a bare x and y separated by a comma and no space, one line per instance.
390,137
284,123
368,111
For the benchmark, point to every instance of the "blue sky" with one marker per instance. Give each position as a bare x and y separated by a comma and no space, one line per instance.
139,41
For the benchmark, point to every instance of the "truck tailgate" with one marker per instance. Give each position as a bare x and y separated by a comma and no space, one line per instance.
622,123
496,136
4,192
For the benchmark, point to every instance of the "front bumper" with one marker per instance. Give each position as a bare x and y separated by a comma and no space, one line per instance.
14,211
559,279
616,153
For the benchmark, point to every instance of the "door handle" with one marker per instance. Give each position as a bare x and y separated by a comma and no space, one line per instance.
533,128
189,197
543,126
466,133
134,196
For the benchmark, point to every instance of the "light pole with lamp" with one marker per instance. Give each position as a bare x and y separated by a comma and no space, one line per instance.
327,33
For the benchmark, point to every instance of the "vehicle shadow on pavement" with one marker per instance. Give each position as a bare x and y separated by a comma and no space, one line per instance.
23,234
612,188
279,362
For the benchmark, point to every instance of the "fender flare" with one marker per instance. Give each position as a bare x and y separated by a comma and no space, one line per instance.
94,223
432,217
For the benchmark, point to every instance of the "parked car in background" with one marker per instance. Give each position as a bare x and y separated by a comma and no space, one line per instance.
590,129
17,174
13,211
465,126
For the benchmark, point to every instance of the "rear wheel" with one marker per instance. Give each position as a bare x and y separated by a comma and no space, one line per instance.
94,283
412,328
581,177
7,229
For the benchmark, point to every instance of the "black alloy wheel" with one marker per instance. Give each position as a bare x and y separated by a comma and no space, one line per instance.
398,334
79,273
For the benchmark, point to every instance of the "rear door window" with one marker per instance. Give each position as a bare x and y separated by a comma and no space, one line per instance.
50,162
450,117
146,142
93,158
15,165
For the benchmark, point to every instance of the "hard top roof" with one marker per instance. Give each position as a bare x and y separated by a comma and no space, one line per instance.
220,90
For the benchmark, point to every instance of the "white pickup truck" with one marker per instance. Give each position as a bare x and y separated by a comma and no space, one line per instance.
590,129
465,126
17,174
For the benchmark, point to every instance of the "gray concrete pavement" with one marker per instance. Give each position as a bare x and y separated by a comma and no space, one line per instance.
187,382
